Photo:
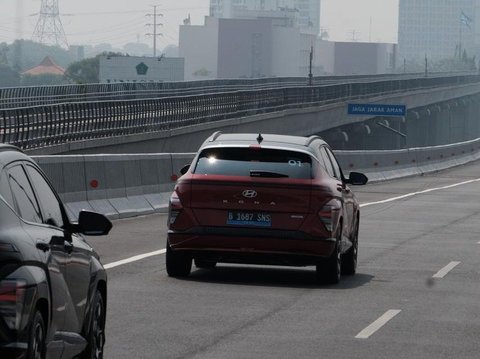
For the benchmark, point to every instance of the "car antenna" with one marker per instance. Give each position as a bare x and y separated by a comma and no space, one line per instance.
259,138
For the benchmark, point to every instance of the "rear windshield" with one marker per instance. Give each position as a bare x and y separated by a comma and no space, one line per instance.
254,162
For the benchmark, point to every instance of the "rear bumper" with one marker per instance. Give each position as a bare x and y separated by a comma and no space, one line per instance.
240,245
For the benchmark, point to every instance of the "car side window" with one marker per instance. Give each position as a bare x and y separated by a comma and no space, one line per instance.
51,208
5,190
336,166
326,161
25,200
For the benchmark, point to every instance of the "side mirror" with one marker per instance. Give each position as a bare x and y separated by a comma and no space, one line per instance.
93,224
357,179
185,169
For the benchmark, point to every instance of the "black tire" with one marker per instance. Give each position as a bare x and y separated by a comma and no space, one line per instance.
329,270
203,264
96,335
350,258
36,338
178,264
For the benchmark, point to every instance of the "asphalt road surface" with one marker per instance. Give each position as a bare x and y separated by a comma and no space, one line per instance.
416,294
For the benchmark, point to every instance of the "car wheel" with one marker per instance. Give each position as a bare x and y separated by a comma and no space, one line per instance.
329,270
178,264
203,264
349,259
96,336
36,340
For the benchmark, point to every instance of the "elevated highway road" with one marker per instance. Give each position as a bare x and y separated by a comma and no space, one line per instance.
415,295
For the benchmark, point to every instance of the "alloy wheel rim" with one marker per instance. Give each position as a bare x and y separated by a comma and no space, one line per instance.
37,341
339,260
98,332
355,249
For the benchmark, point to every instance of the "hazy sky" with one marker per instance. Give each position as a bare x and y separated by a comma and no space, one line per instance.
122,21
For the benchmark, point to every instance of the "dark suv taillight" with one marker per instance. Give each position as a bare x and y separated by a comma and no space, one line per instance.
12,294
174,208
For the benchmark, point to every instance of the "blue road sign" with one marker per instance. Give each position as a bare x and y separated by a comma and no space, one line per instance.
377,110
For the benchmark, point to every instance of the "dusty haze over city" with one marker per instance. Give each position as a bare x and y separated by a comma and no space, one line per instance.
122,21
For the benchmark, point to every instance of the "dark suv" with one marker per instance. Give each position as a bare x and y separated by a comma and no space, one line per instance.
53,288
264,199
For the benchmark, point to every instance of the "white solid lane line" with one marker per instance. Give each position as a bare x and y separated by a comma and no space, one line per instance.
408,195
134,259
156,253
445,270
376,325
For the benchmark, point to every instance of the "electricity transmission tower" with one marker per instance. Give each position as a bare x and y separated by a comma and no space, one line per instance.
49,29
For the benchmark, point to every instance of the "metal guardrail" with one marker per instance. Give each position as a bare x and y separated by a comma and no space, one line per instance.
43,126
43,95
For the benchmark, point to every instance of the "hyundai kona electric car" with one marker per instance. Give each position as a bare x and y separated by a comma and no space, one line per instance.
264,199
53,288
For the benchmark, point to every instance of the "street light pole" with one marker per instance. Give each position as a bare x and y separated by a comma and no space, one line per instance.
310,74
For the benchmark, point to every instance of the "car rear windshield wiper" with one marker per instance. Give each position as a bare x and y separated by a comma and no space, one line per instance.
267,174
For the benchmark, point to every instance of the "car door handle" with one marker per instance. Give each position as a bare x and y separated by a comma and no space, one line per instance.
45,247
61,241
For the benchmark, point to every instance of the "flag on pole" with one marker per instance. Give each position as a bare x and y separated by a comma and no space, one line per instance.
466,20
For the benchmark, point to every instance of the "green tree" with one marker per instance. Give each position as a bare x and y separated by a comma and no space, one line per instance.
8,77
3,54
86,71
24,54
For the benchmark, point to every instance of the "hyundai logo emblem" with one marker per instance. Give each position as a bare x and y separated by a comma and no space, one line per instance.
249,193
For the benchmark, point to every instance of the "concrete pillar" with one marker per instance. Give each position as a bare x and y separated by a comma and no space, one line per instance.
417,128
472,117
359,136
457,122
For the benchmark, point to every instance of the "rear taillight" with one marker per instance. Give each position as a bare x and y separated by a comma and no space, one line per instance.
329,215
174,208
12,295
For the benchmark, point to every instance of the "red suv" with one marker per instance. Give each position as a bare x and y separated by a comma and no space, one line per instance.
264,199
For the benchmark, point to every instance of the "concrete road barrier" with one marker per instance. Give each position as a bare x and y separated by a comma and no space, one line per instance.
385,165
119,186
129,185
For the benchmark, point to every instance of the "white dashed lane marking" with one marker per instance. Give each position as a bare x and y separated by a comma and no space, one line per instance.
445,270
408,195
134,259
162,251
376,325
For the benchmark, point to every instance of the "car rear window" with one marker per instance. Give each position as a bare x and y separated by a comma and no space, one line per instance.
258,162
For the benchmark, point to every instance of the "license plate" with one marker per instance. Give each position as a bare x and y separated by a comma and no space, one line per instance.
249,219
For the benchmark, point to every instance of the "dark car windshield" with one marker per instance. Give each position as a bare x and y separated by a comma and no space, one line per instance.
254,162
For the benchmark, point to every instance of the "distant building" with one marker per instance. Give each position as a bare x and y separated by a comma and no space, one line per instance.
254,48
364,58
46,67
306,12
140,69
437,29
77,52
244,48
